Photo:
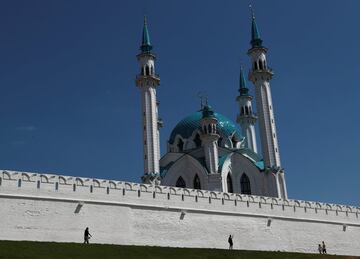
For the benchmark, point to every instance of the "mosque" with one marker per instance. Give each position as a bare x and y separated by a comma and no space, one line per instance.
206,150
211,182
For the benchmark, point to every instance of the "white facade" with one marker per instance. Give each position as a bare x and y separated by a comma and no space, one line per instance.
59,208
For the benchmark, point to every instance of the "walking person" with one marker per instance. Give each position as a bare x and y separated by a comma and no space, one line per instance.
323,248
87,236
230,240
320,249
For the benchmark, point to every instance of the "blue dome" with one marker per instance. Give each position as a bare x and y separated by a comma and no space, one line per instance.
188,125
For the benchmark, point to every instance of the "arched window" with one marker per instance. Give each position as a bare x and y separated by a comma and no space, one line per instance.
219,141
197,184
180,183
152,70
260,65
205,129
247,110
255,65
180,145
234,141
245,184
229,183
209,128
147,70
197,140
242,111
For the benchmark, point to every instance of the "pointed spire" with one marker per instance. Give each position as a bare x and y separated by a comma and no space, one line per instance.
243,88
256,41
145,43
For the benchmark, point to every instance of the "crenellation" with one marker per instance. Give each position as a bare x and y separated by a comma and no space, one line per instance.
59,185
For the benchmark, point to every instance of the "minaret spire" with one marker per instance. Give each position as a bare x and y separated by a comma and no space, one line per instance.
145,43
260,75
256,41
147,81
242,83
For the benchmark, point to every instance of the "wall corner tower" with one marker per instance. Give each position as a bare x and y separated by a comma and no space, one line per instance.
147,81
260,75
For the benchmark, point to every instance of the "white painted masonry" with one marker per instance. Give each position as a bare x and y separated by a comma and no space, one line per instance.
57,208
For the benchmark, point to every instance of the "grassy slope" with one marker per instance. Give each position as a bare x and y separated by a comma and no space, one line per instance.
39,250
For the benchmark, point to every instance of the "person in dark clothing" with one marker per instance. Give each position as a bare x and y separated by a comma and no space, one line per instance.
230,240
320,249
323,248
87,236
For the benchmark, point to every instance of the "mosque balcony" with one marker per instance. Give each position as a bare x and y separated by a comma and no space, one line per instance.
266,73
154,76
160,123
142,78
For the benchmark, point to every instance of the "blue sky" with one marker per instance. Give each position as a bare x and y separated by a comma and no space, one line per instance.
69,105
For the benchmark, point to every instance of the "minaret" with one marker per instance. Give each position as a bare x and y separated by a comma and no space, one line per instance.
246,118
260,75
147,81
209,138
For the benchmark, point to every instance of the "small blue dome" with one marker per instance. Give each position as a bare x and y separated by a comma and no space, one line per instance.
189,124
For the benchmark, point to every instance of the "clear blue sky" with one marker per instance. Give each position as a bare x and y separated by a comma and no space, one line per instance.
69,105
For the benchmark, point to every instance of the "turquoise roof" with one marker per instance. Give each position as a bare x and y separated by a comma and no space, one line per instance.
255,35
145,43
188,125
242,85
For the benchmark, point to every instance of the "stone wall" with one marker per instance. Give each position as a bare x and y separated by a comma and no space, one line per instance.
45,207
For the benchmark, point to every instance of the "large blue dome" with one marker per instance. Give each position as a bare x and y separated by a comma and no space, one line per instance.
189,124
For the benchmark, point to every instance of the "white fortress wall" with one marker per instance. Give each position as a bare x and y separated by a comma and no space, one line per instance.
45,207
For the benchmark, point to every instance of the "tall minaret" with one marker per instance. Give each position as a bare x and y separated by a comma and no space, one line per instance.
147,81
260,75
246,118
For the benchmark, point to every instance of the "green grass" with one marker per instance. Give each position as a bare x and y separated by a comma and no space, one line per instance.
40,250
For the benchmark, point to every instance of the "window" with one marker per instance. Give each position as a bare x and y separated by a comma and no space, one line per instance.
209,129
19,183
247,110
38,185
255,65
180,183
234,141
219,141
197,184
197,140
245,184
229,184
242,111
147,70
180,145
56,186
260,65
